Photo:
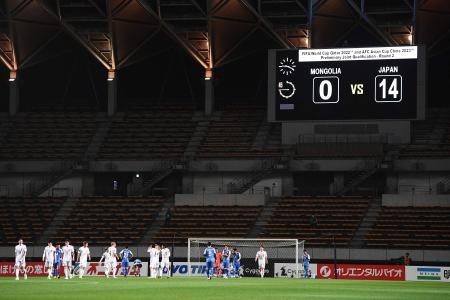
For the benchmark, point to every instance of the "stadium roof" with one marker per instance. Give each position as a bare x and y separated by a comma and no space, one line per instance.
214,32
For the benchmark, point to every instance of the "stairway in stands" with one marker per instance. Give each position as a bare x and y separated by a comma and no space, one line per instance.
200,132
103,127
62,214
367,223
260,170
264,217
58,172
154,228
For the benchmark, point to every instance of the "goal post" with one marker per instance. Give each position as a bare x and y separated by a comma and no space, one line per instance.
282,253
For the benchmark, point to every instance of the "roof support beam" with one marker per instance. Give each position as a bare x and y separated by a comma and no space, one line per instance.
168,29
381,35
111,33
75,35
266,26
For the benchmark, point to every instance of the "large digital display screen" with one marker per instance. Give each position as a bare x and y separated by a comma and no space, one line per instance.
346,84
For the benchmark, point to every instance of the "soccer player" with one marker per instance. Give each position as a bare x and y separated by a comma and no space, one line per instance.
125,254
68,258
306,259
112,250
165,261
226,254
236,262
20,253
217,263
136,268
57,263
83,256
154,261
105,258
261,257
210,255
49,258
150,255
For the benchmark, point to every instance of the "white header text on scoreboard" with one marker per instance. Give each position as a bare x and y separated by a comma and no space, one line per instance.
345,54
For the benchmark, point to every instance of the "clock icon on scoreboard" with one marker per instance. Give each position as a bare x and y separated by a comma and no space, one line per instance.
287,66
388,88
286,89
325,90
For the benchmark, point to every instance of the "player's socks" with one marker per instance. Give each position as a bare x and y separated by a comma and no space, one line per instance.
17,274
81,272
25,275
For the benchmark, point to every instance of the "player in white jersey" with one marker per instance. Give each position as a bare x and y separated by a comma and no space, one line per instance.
68,257
105,257
165,261
49,258
261,257
154,260
20,253
83,256
112,251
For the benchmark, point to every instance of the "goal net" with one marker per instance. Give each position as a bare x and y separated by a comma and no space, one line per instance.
284,256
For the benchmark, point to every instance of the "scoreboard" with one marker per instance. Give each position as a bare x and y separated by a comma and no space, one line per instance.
379,83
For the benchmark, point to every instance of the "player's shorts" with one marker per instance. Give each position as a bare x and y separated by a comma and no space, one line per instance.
262,264
306,267
83,263
217,264
20,263
210,264
112,262
165,264
49,263
67,263
226,264
154,264
125,264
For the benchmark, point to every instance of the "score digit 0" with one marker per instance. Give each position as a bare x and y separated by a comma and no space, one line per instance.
325,90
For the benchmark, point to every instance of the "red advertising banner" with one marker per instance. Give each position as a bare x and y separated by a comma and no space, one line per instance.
362,272
33,269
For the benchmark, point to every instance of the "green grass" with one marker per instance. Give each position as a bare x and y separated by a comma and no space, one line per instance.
200,289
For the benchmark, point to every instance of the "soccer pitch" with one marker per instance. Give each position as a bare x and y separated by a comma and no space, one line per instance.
200,288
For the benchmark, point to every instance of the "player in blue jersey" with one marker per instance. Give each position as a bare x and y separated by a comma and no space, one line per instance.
125,255
306,259
226,254
57,261
236,262
210,255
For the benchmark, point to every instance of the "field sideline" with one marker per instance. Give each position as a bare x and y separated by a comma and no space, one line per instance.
199,288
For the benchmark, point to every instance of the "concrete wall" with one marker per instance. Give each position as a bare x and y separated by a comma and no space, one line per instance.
217,183
399,132
16,185
415,200
220,199
420,182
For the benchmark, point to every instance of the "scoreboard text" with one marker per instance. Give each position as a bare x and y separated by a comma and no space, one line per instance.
345,84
